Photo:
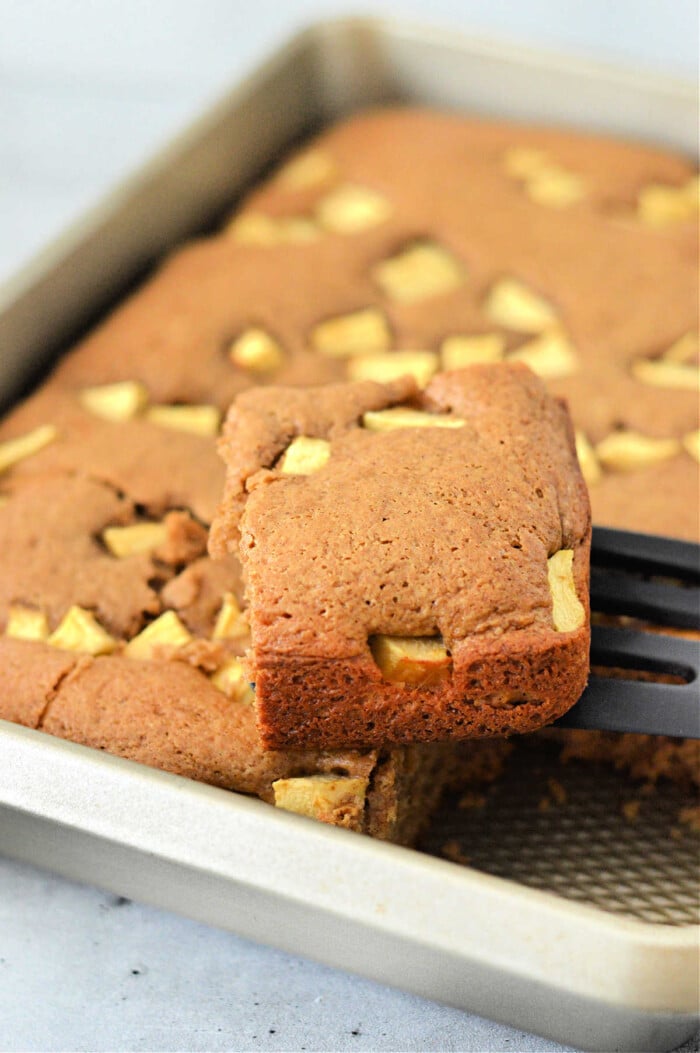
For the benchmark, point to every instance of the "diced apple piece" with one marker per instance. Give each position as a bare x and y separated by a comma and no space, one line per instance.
255,228
304,456
297,230
685,350
26,623
691,441
232,679
12,451
414,660
403,417
132,540
662,373
389,365
199,420
116,402
80,631
568,612
590,468
523,161
514,306
659,204
419,272
349,209
167,631
549,355
322,796
460,351
230,622
554,187
256,351
352,334
309,169
545,182
627,451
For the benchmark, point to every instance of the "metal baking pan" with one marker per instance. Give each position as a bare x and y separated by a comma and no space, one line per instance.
559,930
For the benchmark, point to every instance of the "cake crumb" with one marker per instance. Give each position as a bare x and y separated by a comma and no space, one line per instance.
453,850
471,799
557,791
690,817
630,810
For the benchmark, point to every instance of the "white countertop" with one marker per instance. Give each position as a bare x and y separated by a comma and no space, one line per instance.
87,89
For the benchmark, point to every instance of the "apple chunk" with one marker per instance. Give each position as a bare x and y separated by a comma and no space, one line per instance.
567,610
305,455
322,796
419,660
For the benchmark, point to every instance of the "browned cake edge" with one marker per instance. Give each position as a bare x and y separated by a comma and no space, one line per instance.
167,715
334,702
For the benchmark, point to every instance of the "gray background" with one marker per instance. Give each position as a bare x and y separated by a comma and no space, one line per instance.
87,89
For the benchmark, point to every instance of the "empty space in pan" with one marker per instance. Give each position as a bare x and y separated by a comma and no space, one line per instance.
581,830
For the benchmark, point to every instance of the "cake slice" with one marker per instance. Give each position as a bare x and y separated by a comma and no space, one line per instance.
168,715
119,633
416,563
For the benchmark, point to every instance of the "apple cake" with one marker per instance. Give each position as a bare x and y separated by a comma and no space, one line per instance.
399,242
416,561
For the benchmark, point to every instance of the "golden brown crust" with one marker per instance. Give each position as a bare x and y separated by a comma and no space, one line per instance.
312,702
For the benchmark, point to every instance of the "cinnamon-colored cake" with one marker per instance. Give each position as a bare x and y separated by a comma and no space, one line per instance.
416,562
400,241
411,230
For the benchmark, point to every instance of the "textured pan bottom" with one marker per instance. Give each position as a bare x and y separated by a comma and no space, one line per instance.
580,830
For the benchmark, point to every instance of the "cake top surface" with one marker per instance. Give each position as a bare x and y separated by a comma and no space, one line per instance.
434,512
346,261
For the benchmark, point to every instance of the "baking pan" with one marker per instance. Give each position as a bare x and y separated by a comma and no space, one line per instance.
577,927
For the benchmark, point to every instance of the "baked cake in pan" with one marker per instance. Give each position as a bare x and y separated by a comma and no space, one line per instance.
400,241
